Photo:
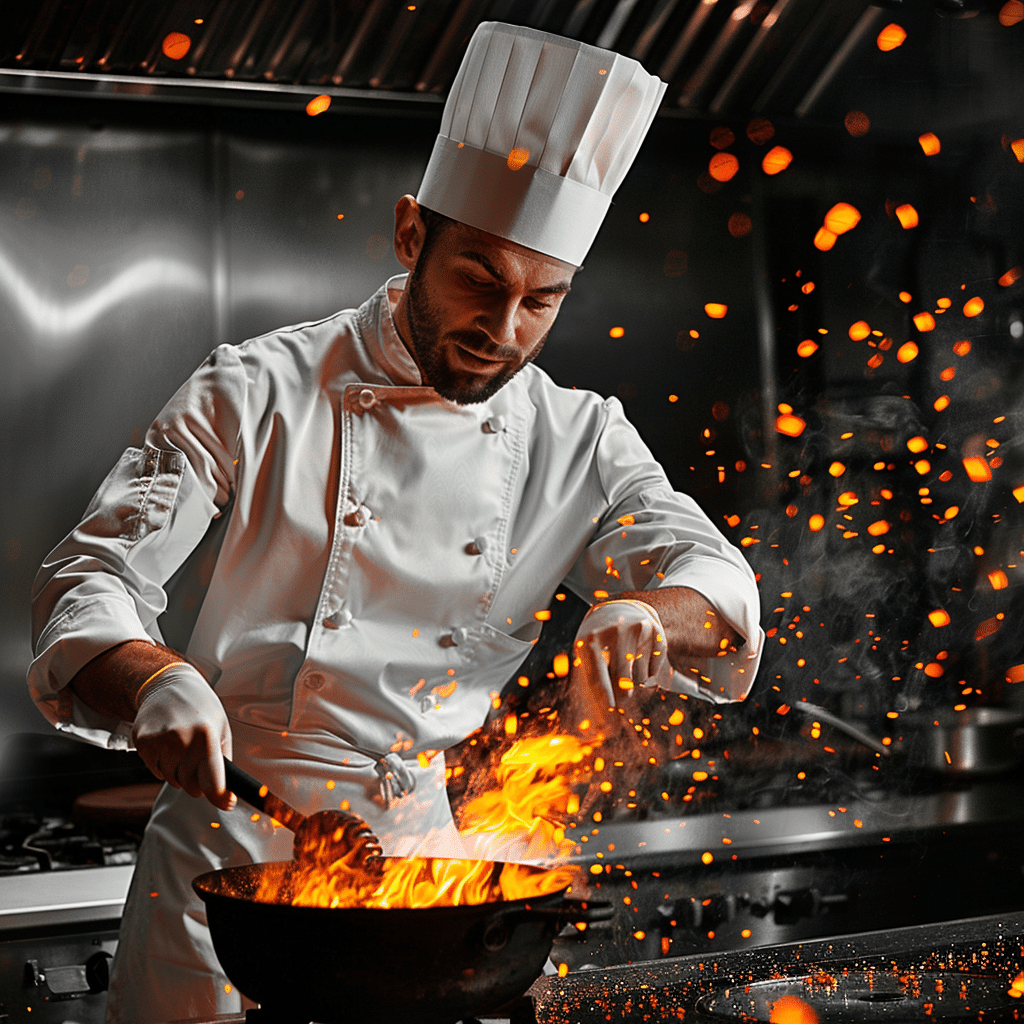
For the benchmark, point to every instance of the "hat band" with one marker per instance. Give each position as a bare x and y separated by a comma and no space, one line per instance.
543,211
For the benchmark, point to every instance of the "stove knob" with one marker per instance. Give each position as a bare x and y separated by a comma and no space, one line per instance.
97,971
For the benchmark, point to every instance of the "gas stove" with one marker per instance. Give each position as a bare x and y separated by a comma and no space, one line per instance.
968,970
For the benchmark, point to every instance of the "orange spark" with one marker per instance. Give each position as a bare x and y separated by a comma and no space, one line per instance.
1012,275
917,444
716,310
939,617
790,425
929,142
723,166
907,352
977,468
777,159
876,529
891,37
924,321
907,216
806,348
998,580
824,239
317,105
860,330
517,158
842,218
972,307
176,45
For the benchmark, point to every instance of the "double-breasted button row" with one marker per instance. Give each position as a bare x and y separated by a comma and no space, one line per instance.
493,425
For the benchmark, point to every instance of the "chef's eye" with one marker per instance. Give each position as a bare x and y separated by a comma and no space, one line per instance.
475,282
536,304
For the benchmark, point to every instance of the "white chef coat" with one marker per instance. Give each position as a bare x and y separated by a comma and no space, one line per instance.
383,555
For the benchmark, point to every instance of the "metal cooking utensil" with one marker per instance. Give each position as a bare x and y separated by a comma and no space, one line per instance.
323,836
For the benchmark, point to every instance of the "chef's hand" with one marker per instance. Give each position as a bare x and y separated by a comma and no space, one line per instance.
620,645
182,734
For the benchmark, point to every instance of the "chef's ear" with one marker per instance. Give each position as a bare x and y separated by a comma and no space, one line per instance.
410,231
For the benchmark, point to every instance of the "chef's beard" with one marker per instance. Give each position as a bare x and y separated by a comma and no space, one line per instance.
460,386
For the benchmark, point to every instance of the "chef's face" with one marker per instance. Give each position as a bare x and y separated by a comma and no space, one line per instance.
476,308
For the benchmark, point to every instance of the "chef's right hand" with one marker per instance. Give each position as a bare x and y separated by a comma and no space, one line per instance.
182,734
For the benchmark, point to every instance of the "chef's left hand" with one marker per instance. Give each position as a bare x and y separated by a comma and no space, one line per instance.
620,645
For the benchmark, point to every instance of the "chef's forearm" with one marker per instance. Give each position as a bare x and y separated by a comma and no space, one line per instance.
110,683
693,628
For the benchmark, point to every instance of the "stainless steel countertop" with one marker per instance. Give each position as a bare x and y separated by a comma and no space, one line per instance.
782,830
63,897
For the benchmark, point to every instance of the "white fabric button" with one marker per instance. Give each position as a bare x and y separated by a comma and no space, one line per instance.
493,425
367,399
357,517
338,619
426,703
315,681
460,635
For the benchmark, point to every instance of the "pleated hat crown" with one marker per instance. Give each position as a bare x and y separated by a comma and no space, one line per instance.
537,134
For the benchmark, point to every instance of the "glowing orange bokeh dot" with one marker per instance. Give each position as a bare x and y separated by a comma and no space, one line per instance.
907,352
857,123
824,239
907,216
890,37
723,166
905,296
517,158
930,143
777,159
790,425
1011,276
924,321
1011,13
815,523
716,310
317,105
806,348
917,444
842,218
972,307
792,1010
176,45
939,617
860,330
977,468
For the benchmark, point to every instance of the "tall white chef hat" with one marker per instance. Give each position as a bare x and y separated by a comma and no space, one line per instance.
537,134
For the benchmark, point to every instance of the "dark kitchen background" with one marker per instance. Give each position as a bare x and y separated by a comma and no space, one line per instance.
807,295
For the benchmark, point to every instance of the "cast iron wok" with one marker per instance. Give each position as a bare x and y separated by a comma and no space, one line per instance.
433,965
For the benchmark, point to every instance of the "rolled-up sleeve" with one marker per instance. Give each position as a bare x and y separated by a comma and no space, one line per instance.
653,536
104,583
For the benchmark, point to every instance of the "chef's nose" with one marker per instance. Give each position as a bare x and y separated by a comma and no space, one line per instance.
500,321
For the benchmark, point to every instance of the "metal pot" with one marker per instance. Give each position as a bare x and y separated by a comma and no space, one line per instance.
975,741
433,965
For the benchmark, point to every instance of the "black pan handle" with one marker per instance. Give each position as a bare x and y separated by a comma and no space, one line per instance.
568,910
255,793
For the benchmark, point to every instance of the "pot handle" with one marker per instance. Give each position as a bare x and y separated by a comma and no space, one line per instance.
499,925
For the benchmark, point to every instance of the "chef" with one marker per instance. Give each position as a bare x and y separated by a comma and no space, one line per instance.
378,503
